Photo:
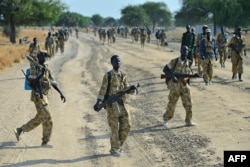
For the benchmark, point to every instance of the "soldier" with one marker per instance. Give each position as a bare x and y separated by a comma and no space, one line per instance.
197,43
34,50
237,45
49,44
178,86
207,54
118,115
221,42
43,115
188,39
61,39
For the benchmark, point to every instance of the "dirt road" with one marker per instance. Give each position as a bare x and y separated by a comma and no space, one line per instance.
81,136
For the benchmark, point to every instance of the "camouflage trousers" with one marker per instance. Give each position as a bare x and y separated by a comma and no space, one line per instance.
198,61
237,62
207,65
178,90
43,117
119,122
223,55
51,50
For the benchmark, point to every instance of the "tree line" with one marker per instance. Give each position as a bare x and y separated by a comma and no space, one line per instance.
229,13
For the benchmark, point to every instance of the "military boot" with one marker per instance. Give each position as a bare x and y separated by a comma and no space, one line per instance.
17,133
233,76
240,77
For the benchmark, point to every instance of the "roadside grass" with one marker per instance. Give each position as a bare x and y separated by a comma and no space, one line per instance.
15,53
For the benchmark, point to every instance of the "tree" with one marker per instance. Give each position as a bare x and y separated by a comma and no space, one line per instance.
72,19
97,20
134,16
110,21
158,13
230,13
27,12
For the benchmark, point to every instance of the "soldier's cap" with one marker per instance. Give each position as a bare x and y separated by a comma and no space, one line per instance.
204,26
208,30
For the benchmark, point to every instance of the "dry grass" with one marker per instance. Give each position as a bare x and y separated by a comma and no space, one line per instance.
14,53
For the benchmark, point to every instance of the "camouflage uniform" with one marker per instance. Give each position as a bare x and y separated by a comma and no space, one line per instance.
207,54
43,115
237,58
179,89
197,44
118,115
222,46
49,45
34,49
61,39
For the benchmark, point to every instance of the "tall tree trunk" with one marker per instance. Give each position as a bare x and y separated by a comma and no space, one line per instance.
12,30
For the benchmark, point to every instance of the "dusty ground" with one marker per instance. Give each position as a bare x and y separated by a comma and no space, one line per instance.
81,136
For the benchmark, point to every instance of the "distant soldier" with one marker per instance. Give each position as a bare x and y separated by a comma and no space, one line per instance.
221,42
34,50
61,39
77,31
188,39
143,36
207,54
237,45
49,45
197,44
56,42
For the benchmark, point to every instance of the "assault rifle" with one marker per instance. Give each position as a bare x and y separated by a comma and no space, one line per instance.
117,97
180,77
34,84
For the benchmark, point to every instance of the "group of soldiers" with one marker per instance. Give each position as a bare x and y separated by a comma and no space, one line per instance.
55,41
203,49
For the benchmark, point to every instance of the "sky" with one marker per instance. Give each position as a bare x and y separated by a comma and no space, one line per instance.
111,8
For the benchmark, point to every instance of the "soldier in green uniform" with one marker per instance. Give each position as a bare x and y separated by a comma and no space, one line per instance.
188,39
43,115
237,45
178,87
118,114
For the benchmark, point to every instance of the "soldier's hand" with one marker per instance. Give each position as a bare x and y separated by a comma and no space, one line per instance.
63,98
96,106
174,79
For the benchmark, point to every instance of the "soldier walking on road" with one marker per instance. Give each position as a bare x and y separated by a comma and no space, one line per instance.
49,44
207,54
34,50
118,115
188,39
237,45
197,45
178,86
221,42
43,115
